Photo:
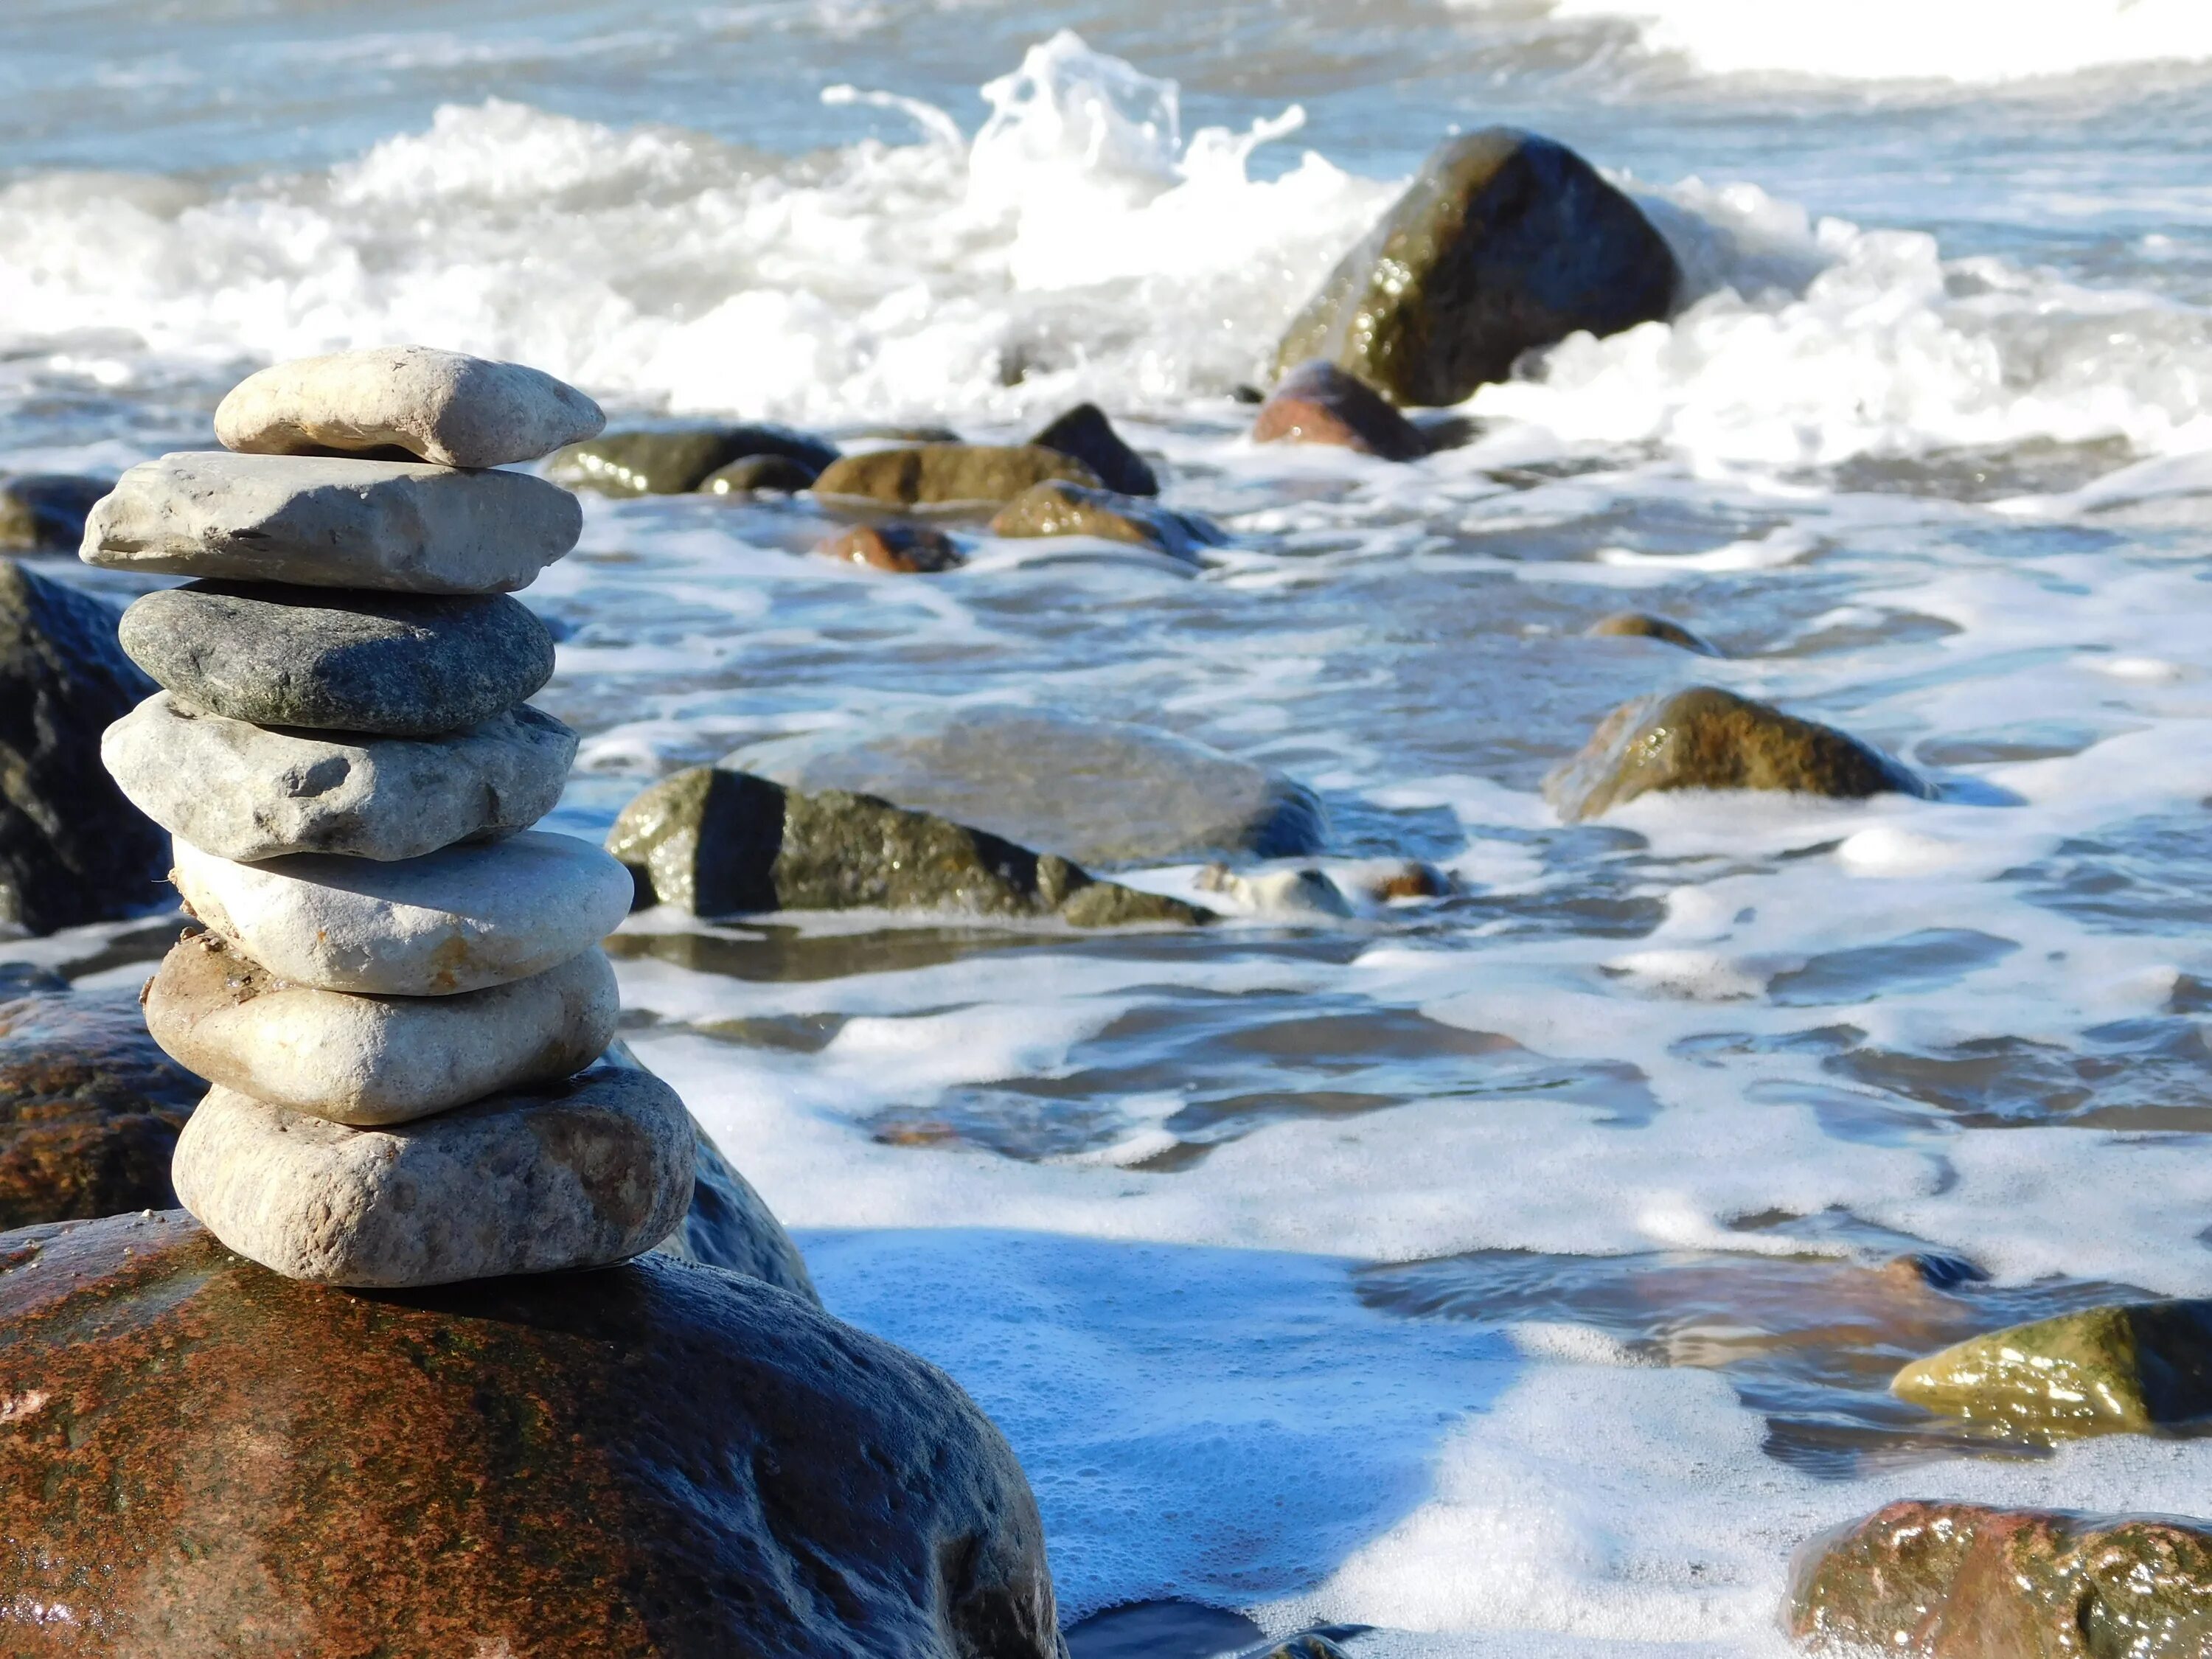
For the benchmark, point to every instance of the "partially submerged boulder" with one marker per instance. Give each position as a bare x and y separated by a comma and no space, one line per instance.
1708,738
1058,508
45,512
718,842
655,1460
760,475
1956,1581
947,475
72,849
1504,242
1643,625
907,549
1085,433
1098,791
2122,1369
1318,403
678,462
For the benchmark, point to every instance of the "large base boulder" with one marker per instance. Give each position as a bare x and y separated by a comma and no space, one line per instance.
1504,242
657,1458
1955,1581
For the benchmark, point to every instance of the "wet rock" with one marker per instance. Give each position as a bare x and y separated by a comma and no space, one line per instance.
1504,242
759,474
1085,433
1291,895
72,849
396,526
721,843
729,1225
1411,880
1097,791
443,406
89,1108
1161,1630
907,435
677,463
389,665
938,474
45,512
1057,508
2119,1370
1642,625
1708,738
911,549
1955,1581
1318,403
657,1460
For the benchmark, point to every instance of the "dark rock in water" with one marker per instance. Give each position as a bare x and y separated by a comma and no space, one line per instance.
394,665
1956,1581
21,978
72,849
1505,241
911,549
1085,432
45,512
718,842
906,435
1708,738
729,1225
89,1109
677,463
654,1460
2124,1369
1642,625
1318,403
1320,1644
1066,509
756,474
1098,791
935,475
1161,1630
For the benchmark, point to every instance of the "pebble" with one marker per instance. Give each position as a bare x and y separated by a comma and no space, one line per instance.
914,549
245,794
390,665
396,526
455,921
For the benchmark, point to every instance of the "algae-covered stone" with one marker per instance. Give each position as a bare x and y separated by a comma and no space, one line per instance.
1058,508
676,463
721,843
1957,1580
2117,1369
729,1225
1505,241
1318,403
907,549
1085,432
1708,738
760,474
943,475
45,512
1642,625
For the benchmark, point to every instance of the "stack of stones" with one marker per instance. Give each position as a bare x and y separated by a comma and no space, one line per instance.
399,994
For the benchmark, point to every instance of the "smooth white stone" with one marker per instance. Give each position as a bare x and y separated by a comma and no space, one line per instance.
592,1172
367,1060
398,527
450,922
246,793
455,410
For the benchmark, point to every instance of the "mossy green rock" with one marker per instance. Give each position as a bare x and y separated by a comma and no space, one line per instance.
943,475
676,463
1643,625
718,842
2119,1370
1058,508
1956,1581
1504,242
1708,738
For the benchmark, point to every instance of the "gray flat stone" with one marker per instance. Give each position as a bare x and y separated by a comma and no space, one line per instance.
245,794
455,921
390,664
586,1173
444,406
395,525
369,1061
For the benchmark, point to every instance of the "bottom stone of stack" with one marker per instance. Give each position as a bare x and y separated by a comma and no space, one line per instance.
369,1061
588,1172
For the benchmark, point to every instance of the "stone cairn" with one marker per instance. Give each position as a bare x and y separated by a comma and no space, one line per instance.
399,994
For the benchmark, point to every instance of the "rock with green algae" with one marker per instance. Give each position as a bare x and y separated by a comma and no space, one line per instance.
1056,507
720,842
1708,738
675,463
2122,1369
1643,625
949,475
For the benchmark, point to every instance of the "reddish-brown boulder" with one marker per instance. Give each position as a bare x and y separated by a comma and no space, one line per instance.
909,548
200,1458
1317,402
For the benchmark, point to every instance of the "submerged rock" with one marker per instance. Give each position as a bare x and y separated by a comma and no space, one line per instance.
721,843
943,475
908,548
1505,241
1708,738
657,1460
1085,433
729,1225
72,849
1642,625
45,512
756,474
1058,508
1098,791
2119,1369
1956,1581
1318,403
677,463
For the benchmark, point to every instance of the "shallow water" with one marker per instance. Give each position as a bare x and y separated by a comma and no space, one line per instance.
1510,1273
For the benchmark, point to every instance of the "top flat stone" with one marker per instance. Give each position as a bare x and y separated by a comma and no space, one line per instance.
399,527
444,406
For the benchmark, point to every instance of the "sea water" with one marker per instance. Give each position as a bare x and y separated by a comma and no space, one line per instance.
1508,1273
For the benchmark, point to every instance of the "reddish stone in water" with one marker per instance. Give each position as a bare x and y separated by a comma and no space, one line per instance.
910,549
1317,402
198,1457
